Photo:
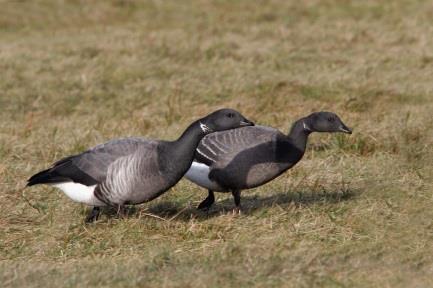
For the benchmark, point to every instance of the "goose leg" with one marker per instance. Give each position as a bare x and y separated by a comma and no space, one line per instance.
237,197
207,203
122,211
93,215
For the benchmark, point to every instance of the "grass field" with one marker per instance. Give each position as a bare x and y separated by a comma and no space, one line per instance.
355,212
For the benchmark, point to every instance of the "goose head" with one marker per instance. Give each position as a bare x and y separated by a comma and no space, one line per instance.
223,119
325,122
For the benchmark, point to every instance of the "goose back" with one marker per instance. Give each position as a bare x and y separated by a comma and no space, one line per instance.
218,149
97,161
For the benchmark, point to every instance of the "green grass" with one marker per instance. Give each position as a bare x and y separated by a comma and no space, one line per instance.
355,212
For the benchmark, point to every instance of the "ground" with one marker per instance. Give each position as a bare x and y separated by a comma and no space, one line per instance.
355,212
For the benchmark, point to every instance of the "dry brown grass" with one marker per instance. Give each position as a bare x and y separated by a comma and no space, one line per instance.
356,211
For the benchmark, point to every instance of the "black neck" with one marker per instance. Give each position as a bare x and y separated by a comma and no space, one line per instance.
188,141
298,134
181,152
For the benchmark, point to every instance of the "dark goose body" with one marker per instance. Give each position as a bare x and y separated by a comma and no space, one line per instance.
230,161
132,170
121,171
245,158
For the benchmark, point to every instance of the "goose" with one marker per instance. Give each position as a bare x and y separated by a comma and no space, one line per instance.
132,170
248,157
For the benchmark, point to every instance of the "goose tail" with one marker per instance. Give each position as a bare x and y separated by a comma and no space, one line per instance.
44,177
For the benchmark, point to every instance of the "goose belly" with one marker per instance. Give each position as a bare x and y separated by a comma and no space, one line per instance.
79,193
198,173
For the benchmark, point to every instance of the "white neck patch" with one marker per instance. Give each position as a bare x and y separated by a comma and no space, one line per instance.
306,128
205,128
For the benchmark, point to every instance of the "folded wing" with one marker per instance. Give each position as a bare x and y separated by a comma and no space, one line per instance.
220,148
90,167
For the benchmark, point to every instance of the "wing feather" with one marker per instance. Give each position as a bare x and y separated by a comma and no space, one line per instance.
220,148
96,161
90,167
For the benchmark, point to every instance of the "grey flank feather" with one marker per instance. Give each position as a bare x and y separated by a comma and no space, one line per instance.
134,178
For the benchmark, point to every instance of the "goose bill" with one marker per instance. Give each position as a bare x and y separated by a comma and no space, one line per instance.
247,123
345,129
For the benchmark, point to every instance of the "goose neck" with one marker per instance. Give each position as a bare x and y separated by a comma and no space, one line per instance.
299,133
181,151
190,137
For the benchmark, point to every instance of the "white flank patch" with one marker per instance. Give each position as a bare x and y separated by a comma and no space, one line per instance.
80,193
199,174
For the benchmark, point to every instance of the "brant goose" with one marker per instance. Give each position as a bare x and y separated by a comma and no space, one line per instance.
248,157
132,170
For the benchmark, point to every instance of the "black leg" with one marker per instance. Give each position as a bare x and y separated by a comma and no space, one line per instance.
207,203
122,211
93,215
237,197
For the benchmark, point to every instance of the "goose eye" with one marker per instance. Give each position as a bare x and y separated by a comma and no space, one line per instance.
331,119
230,115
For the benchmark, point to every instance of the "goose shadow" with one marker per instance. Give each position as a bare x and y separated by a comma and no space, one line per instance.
250,204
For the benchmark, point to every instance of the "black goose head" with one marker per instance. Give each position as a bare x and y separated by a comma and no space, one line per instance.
223,119
325,122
